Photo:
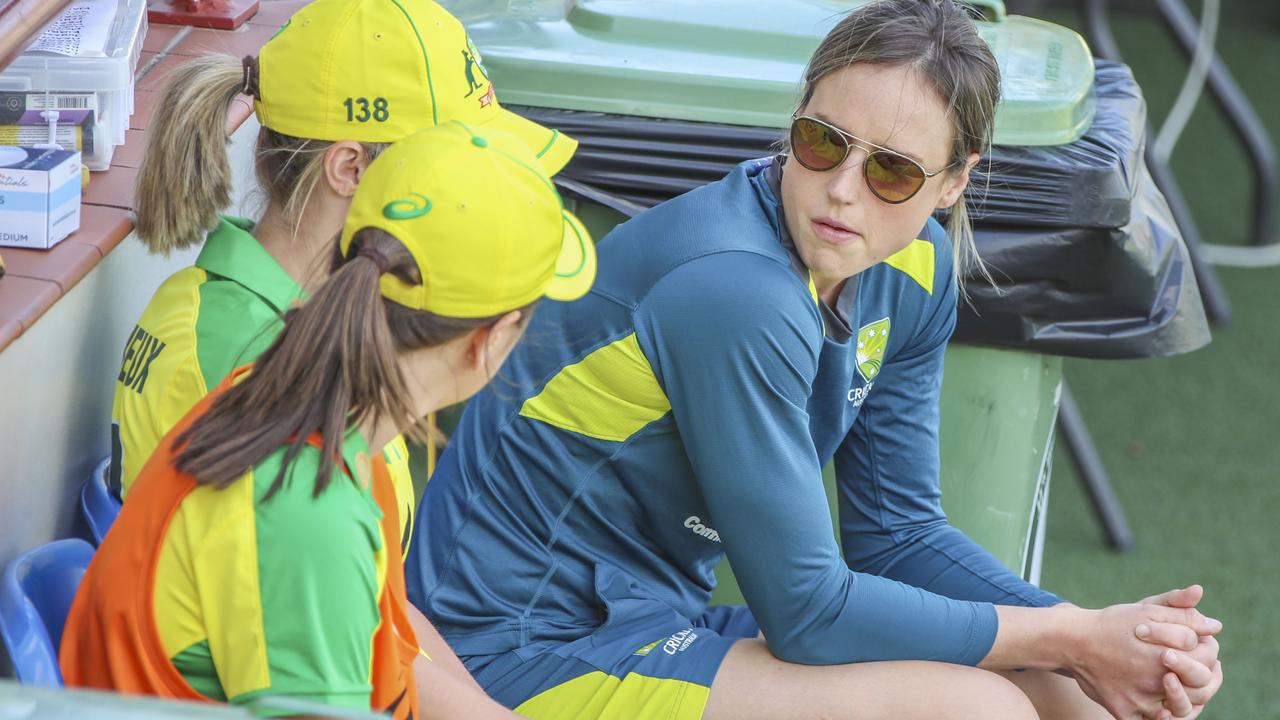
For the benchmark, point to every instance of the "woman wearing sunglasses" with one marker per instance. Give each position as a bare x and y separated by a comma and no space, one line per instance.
737,339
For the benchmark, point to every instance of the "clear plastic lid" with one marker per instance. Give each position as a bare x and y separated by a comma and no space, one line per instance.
1047,82
34,70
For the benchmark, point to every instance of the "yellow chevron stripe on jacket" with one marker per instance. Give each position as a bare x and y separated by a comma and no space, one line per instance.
609,395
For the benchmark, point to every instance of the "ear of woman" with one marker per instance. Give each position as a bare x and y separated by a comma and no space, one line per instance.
958,182
344,164
323,201
488,347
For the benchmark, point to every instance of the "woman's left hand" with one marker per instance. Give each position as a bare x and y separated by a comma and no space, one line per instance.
1195,671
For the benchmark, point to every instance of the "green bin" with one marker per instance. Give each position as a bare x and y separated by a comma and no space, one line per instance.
739,63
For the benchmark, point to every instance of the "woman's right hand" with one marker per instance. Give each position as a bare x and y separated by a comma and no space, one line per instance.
1117,669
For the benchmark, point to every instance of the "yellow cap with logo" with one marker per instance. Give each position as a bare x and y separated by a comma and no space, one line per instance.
485,225
380,70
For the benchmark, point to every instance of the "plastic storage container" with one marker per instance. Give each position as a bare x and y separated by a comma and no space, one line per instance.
106,82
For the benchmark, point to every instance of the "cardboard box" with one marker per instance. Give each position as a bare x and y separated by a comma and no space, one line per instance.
39,196
23,124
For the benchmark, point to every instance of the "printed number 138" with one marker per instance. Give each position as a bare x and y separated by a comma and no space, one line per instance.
361,110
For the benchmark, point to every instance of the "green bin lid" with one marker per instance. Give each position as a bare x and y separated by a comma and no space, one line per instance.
1046,74
740,62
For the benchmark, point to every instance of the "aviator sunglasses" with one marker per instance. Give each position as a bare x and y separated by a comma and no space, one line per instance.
891,176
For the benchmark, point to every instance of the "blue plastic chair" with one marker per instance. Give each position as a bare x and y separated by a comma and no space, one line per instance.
98,505
35,596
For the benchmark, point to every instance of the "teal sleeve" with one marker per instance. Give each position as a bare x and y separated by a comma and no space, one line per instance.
737,360
887,470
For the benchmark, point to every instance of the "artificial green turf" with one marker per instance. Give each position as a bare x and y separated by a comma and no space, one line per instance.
1192,443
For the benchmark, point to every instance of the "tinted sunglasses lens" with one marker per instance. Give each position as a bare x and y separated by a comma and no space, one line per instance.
893,178
817,146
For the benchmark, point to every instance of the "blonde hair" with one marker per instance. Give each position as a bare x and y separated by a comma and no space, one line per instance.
185,180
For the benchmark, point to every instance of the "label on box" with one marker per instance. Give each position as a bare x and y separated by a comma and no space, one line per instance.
70,137
14,104
39,196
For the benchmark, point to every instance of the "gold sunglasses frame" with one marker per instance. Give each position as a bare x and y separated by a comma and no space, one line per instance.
852,141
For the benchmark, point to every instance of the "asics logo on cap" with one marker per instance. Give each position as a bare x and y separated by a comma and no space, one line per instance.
406,209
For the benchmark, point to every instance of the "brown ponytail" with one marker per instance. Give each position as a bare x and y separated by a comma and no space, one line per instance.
332,367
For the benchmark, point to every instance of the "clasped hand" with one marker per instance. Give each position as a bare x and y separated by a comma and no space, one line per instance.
1156,659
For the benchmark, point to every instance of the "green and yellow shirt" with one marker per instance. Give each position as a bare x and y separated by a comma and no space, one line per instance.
202,323
227,595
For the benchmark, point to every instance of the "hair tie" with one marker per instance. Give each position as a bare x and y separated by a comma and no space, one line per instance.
249,84
378,257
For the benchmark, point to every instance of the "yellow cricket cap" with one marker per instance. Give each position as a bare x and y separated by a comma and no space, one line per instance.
380,70
485,225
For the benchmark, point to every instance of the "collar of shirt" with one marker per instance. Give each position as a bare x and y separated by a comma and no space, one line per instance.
232,252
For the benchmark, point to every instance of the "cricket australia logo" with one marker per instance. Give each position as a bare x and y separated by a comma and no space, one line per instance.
873,338
679,642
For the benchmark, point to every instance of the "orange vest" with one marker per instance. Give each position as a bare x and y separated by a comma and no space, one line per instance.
111,640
